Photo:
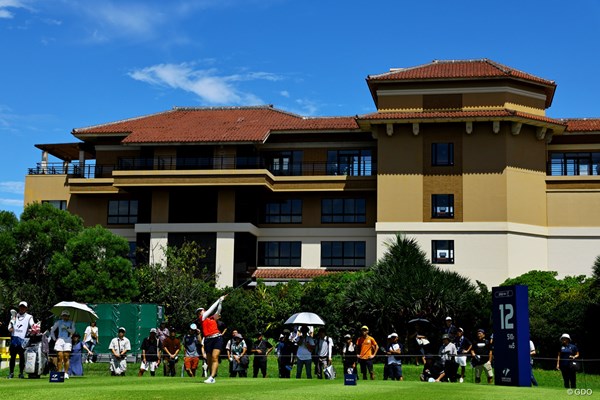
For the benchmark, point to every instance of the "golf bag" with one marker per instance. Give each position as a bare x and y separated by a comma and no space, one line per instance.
35,359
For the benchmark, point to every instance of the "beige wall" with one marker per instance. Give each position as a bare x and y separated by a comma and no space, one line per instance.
46,187
574,209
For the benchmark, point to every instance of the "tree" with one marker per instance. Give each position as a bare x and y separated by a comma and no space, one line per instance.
42,231
181,286
94,268
404,285
8,244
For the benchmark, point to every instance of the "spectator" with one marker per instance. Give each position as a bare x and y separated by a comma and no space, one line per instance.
421,341
565,362
306,345
449,329
531,354
239,358
463,347
151,353
119,347
78,348
349,356
447,355
323,352
162,332
171,347
482,357
261,349
433,370
191,343
367,348
90,339
228,350
19,326
286,355
65,328
394,360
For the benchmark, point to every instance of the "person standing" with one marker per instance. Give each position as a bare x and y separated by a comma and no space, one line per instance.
447,355
532,353
90,339
65,328
151,354
239,358
482,357
306,345
463,347
261,348
394,360
285,360
367,348
349,356
213,339
449,329
323,352
78,348
19,327
172,347
566,355
192,342
119,347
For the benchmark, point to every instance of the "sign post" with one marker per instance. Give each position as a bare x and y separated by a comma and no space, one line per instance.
510,313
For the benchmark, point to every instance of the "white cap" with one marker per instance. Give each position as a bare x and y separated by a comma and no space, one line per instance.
565,336
448,318
199,309
153,330
122,329
65,312
392,335
193,326
23,303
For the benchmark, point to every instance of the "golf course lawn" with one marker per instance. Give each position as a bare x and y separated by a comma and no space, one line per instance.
98,384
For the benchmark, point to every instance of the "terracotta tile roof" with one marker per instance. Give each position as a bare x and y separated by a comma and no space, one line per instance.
462,70
288,273
224,124
458,69
458,115
582,124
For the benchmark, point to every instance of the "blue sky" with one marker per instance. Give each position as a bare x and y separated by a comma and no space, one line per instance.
67,64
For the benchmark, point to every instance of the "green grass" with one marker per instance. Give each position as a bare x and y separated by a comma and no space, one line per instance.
98,384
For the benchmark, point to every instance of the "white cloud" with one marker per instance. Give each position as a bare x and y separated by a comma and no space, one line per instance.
205,83
11,202
285,93
6,7
12,187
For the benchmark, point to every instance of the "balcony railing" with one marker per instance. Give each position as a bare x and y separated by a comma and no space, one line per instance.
278,168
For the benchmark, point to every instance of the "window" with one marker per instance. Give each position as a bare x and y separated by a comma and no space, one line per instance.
279,254
442,154
60,204
334,211
122,211
442,206
283,212
442,251
284,162
572,164
349,162
343,254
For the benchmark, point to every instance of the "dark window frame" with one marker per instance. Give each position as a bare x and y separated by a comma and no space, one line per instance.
350,162
343,254
439,202
280,253
127,212
59,204
353,211
574,163
442,247
276,212
437,154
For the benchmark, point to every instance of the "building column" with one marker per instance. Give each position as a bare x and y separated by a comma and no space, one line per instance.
158,247
224,266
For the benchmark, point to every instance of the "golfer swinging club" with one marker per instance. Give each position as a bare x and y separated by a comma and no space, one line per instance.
213,341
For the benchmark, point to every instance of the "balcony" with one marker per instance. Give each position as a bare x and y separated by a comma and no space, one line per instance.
275,167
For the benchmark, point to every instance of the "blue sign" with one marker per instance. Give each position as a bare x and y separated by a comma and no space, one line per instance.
510,313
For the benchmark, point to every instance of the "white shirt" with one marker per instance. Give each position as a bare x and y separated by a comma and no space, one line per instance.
303,353
325,347
118,345
21,325
87,335
448,351
392,357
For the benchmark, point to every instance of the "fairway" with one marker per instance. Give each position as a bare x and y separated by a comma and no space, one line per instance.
98,385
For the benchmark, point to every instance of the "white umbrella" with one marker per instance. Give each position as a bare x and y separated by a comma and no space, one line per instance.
305,318
79,312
